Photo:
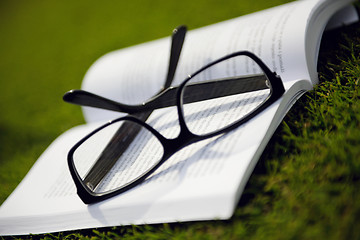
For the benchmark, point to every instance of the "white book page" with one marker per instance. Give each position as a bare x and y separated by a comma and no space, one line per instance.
134,74
286,38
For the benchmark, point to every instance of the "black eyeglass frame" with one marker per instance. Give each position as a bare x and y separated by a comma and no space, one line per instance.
185,137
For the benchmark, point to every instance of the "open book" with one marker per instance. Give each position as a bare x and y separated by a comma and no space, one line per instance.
205,180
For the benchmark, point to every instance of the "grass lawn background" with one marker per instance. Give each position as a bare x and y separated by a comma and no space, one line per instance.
306,183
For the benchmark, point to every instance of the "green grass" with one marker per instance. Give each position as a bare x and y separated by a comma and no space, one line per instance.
306,184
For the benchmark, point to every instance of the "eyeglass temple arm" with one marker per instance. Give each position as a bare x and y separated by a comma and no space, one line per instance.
177,41
210,89
197,92
84,98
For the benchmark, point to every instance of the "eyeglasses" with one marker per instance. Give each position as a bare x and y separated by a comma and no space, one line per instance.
216,99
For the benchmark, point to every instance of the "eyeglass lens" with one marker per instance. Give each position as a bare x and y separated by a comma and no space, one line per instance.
231,89
115,156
